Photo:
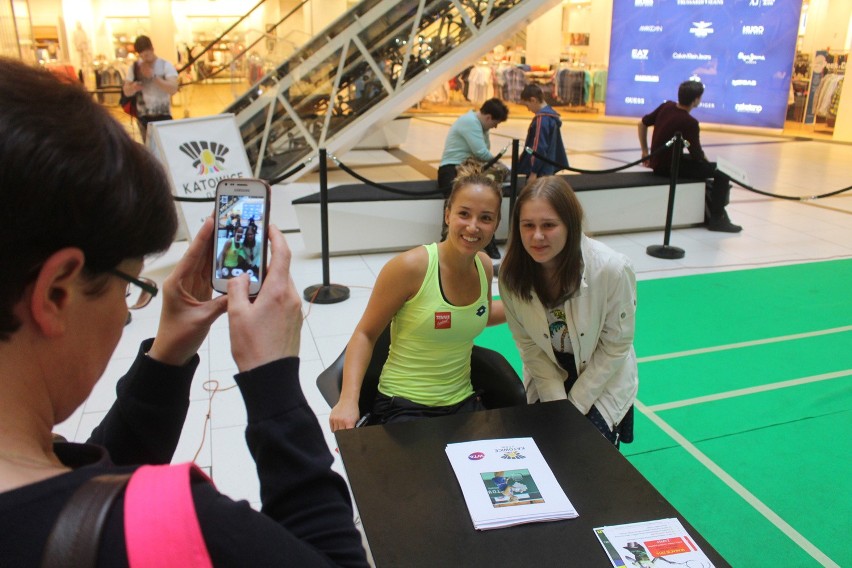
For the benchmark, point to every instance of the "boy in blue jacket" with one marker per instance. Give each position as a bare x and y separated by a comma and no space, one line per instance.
543,137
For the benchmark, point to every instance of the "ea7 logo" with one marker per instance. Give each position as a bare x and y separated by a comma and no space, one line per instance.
639,53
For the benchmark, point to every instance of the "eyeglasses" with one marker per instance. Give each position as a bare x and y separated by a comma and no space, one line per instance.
140,296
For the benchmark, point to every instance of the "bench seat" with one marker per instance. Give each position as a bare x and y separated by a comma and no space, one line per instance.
363,218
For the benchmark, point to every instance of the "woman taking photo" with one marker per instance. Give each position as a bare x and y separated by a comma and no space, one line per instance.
437,299
65,167
570,302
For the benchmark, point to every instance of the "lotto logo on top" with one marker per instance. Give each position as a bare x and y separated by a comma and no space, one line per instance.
701,29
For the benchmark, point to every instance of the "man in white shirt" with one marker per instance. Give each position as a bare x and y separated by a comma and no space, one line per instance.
156,79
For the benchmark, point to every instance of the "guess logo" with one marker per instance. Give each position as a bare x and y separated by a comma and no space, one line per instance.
443,320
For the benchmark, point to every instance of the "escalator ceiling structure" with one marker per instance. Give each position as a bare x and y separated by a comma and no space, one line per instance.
363,70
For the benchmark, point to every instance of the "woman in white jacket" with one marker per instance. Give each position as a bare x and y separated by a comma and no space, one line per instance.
570,302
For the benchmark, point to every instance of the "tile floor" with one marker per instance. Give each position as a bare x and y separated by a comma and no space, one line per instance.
776,232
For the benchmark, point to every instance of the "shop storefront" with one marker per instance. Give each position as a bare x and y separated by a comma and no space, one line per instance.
768,64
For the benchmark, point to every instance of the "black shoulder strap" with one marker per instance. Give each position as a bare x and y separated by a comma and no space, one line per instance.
75,537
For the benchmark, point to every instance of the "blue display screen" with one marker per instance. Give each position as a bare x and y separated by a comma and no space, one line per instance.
742,50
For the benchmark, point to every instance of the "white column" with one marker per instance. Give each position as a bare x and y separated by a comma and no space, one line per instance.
162,29
544,38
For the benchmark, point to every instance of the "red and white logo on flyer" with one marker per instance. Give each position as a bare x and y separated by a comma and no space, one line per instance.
443,320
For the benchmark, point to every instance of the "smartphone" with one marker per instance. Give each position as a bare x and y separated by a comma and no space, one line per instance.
242,221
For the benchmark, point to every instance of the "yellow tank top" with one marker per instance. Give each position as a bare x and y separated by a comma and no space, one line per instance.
431,341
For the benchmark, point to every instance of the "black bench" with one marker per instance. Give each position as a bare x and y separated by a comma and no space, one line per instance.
364,218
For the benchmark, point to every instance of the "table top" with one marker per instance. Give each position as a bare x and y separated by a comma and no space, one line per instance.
414,514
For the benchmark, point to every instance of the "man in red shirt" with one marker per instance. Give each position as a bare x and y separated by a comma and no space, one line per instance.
670,118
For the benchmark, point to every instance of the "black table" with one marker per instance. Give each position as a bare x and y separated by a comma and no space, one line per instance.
414,513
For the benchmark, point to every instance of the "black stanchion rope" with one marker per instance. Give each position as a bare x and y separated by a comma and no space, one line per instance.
381,186
398,191
288,174
532,152
275,181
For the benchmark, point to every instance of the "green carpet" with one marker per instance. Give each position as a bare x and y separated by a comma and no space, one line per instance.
789,447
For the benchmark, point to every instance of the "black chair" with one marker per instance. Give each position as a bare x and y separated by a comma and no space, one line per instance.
489,373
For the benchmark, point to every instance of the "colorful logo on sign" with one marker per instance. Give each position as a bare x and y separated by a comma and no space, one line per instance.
207,157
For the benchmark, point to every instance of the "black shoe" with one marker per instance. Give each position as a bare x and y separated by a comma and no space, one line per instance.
492,250
722,224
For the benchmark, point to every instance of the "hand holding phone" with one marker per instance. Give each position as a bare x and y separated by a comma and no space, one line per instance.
267,328
240,232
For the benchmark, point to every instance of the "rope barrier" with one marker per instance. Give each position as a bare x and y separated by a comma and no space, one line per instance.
290,173
532,152
274,181
195,199
544,159
387,188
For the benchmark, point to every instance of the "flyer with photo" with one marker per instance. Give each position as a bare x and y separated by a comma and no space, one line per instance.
643,544
507,482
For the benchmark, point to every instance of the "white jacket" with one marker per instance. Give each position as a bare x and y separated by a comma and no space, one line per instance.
601,320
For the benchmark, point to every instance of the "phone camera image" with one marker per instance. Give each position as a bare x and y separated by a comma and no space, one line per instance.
239,237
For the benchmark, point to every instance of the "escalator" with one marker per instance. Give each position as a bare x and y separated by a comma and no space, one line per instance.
363,70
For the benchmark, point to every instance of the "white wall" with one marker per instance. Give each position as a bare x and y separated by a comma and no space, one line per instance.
828,25
544,38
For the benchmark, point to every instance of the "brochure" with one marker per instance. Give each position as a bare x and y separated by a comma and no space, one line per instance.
507,482
642,544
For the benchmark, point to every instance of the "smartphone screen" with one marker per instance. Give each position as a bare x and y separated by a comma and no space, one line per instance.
242,217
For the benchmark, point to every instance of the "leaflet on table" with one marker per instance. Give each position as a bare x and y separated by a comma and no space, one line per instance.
642,544
507,482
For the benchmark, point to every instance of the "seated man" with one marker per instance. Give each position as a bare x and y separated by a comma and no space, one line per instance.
670,118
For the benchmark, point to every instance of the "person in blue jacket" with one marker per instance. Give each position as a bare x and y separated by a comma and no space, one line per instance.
543,137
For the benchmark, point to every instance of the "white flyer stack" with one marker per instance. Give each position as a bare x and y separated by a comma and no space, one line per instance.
506,482
642,544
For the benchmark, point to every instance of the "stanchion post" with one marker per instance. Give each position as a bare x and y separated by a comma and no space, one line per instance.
325,293
513,176
664,250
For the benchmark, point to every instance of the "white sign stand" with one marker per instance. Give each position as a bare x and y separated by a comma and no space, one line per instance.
197,153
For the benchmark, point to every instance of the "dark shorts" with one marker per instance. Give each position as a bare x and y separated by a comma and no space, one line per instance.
388,409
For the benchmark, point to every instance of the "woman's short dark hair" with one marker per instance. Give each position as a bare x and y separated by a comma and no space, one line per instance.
70,176
519,273
688,91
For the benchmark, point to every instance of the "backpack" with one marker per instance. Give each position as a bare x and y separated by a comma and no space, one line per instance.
161,527
128,104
